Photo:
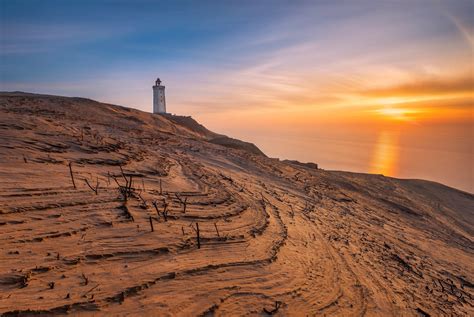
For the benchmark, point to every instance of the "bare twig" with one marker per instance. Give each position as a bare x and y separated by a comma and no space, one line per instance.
116,181
217,230
86,280
227,178
165,210
183,202
97,185
164,213
90,290
274,310
129,191
123,175
154,203
198,236
96,189
143,204
72,175
151,224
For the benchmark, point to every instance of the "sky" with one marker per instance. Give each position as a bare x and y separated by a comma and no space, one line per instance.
255,69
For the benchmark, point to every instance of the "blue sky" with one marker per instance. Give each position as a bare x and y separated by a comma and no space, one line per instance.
56,40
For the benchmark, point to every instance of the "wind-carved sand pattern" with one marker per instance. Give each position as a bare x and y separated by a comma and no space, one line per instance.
275,238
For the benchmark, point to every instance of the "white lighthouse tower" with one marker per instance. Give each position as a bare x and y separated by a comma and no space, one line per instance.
159,101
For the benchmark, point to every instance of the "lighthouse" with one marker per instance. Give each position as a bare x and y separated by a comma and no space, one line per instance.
159,101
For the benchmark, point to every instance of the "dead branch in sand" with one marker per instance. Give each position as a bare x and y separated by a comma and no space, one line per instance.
274,310
151,224
183,202
127,190
72,175
227,178
130,182
161,188
123,192
94,189
198,236
123,175
114,178
156,208
143,203
217,230
422,312
164,213
165,210
86,279
84,295
24,158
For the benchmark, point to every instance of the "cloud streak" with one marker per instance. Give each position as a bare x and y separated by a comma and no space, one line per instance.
431,86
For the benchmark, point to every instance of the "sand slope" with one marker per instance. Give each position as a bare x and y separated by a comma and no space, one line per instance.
275,237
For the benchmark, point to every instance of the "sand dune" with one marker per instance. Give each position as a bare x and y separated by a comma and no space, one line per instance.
274,237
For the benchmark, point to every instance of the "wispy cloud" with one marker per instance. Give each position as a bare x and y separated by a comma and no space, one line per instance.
31,38
467,31
427,86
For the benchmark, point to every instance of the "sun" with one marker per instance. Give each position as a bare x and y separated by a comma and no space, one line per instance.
397,113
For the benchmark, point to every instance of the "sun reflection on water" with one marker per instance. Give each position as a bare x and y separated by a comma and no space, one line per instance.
385,156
